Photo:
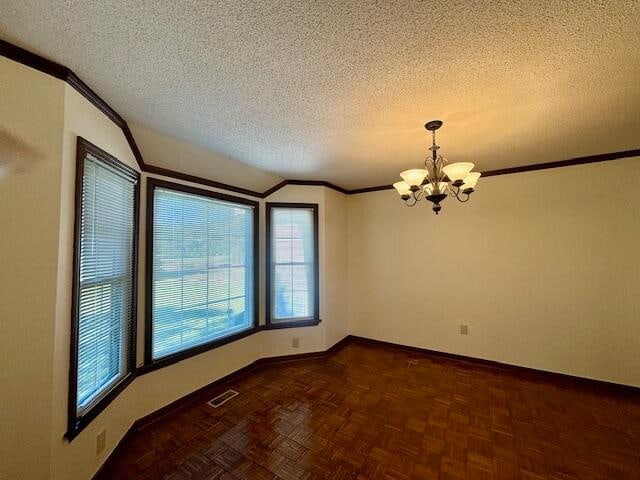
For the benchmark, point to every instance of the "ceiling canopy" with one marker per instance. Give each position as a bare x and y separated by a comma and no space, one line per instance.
340,91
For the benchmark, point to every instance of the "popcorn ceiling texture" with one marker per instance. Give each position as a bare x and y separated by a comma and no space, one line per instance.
339,90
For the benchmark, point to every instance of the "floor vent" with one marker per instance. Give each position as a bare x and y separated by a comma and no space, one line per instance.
222,398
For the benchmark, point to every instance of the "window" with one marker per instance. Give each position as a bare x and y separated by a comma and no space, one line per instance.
104,285
292,264
202,257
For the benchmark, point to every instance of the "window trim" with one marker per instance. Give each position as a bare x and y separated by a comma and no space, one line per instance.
76,423
270,323
149,363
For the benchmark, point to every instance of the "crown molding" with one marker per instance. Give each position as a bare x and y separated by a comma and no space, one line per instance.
314,183
20,55
166,172
370,189
601,157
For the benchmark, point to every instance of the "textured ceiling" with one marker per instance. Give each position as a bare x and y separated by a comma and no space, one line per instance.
339,90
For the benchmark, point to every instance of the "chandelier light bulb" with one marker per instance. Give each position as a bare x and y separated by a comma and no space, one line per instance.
458,171
414,177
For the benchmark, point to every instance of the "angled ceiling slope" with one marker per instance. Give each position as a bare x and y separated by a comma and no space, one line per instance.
188,151
339,91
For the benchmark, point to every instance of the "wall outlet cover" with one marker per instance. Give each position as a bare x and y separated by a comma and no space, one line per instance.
295,342
464,329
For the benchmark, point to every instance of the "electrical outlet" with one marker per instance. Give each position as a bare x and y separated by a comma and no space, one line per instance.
464,329
101,440
295,342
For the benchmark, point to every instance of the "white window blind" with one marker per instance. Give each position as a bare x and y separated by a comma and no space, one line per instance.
202,270
105,279
292,268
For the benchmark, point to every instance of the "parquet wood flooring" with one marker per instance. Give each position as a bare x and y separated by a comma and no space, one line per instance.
375,412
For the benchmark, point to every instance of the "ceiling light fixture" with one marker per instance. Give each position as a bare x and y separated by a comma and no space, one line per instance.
437,180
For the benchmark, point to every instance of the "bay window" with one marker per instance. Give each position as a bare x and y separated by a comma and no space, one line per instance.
201,270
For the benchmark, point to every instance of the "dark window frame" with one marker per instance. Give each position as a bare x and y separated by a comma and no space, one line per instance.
76,423
270,323
149,363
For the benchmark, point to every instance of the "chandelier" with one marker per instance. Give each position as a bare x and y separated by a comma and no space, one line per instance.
437,180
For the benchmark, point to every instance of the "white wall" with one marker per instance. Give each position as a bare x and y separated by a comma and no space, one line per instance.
78,459
81,119
543,267
31,110
37,213
334,291
169,152
332,222
150,392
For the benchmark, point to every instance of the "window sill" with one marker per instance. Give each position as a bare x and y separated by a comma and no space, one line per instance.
291,324
153,365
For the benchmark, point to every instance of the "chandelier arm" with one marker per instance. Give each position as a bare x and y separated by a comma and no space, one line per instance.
465,200
438,164
457,193
408,203
416,196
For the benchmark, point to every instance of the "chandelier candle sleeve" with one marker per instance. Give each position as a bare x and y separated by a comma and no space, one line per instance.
402,188
471,180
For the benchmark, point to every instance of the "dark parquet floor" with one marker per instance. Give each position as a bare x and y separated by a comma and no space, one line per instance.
374,412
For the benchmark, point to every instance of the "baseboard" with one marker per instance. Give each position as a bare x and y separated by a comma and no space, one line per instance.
208,390
599,386
304,356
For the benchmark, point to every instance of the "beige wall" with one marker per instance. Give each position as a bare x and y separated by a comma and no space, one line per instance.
169,152
543,267
81,119
334,292
31,109
78,460
150,392
543,280
37,210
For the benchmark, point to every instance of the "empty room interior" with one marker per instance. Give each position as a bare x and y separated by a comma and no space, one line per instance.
332,240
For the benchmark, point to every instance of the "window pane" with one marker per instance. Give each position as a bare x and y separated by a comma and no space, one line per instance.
202,270
292,263
106,279
283,291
